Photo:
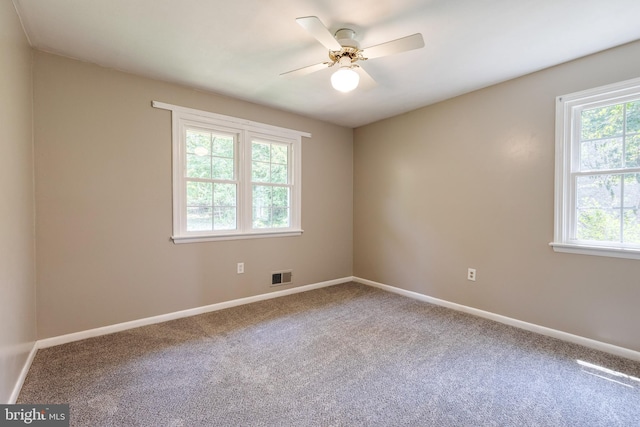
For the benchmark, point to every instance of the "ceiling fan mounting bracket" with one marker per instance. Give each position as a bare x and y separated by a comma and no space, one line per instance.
346,37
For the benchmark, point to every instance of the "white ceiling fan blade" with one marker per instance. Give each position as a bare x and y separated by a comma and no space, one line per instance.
366,81
317,29
404,44
305,70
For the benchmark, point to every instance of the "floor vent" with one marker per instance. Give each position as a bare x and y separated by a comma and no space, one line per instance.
281,278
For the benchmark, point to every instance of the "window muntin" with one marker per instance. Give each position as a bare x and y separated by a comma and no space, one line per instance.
233,178
598,171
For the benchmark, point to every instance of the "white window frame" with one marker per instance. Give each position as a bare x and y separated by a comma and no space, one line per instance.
568,108
246,131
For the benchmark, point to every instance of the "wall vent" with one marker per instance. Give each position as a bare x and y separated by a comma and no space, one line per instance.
281,278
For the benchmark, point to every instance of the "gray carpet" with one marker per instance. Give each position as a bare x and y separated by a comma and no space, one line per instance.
346,355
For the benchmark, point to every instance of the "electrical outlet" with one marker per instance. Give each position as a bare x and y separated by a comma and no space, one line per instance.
240,267
471,274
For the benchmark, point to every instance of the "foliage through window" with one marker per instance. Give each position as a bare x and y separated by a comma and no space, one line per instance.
598,171
210,179
233,178
270,184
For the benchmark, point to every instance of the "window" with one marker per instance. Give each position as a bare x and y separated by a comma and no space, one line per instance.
232,178
270,184
598,171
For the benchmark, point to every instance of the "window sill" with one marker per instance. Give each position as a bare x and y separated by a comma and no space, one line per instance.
262,235
615,252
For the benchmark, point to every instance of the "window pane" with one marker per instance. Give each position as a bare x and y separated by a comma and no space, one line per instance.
199,194
632,151
261,217
224,195
279,154
199,219
631,232
602,225
223,146
198,142
223,168
631,214
261,196
224,218
633,117
280,217
601,154
598,191
631,190
261,206
279,174
260,152
280,196
598,207
602,122
209,155
270,163
271,207
198,166
260,172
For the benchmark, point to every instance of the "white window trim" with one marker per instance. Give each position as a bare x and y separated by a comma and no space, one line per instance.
564,205
245,129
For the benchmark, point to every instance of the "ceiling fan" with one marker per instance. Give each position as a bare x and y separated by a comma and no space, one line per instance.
345,52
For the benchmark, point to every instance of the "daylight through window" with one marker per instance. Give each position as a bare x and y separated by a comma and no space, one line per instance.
598,171
233,178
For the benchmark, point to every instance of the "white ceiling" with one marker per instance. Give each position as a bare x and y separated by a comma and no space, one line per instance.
239,47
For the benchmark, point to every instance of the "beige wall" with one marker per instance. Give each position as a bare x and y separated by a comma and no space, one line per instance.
17,252
464,183
103,200
469,183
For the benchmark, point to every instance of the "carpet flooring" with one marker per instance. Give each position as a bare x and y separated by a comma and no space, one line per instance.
345,355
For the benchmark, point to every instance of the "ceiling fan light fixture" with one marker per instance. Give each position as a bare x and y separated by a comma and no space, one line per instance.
345,79
345,52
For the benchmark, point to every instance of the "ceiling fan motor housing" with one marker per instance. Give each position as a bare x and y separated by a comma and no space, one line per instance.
350,52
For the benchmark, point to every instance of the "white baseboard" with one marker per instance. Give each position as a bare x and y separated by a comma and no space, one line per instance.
77,336
23,374
564,336
542,330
